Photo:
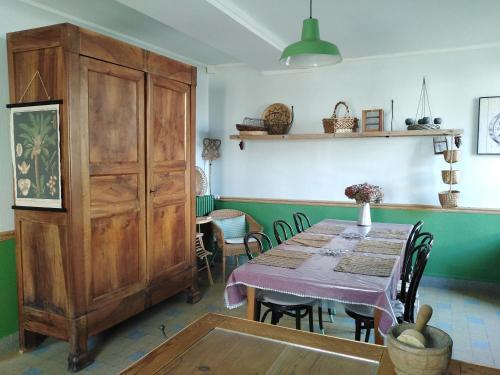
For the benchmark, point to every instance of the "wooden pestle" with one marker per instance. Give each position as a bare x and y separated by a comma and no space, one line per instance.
414,337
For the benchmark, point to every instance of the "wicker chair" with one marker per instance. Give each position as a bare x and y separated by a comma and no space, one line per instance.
231,249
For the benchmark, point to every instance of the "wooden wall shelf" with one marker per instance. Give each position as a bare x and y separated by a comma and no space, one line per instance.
405,133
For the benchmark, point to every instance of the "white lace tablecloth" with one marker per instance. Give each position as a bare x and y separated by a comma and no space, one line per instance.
316,276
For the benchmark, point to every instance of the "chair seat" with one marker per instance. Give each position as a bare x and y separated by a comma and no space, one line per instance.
237,240
283,299
368,312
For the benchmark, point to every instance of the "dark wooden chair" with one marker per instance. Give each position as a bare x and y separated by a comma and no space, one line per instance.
421,238
300,219
363,315
278,304
282,231
410,243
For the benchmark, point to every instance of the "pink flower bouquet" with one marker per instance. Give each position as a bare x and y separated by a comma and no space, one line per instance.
364,193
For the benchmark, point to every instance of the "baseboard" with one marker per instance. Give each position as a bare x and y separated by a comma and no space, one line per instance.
461,285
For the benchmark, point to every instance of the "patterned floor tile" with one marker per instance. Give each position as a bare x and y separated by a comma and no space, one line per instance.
471,320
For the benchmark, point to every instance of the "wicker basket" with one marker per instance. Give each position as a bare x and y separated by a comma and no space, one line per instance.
278,128
452,156
278,118
450,177
449,198
335,124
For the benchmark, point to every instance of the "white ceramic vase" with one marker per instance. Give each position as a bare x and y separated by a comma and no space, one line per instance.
364,218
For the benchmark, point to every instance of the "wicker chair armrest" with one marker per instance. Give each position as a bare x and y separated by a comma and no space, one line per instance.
219,235
253,226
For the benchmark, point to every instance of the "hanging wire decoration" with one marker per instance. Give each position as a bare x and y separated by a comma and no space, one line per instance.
423,117
210,152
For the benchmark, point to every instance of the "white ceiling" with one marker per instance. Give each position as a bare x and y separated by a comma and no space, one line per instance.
255,31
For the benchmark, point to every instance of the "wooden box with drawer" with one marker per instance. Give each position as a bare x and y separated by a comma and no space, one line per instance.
126,238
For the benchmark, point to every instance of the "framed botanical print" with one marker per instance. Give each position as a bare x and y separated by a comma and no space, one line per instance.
488,138
36,160
373,120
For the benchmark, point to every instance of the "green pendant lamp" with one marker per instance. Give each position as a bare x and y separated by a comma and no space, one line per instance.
311,51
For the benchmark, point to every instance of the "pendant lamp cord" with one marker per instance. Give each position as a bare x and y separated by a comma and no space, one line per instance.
310,8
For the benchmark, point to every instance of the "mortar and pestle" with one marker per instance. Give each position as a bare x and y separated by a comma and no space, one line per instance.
418,349
414,337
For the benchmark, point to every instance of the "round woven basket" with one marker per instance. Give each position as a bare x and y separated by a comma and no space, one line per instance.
452,156
450,177
278,118
449,199
278,128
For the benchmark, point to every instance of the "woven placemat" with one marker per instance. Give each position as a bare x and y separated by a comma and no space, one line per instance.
366,265
313,236
388,233
379,247
307,242
281,258
289,253
326,229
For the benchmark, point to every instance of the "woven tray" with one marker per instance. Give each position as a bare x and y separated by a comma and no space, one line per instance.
379,247
281,258
388,233
366,265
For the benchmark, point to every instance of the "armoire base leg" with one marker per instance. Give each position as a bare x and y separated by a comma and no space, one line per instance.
78,361
193,295
29,340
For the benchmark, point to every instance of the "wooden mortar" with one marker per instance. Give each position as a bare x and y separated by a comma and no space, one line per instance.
432,360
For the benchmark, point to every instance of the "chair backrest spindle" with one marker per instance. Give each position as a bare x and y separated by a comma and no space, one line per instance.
261,239
422,252
300,219
282,226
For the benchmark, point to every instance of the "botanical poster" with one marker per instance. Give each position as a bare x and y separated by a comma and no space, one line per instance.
36,156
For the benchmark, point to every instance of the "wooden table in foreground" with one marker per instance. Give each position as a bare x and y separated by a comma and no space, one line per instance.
219,344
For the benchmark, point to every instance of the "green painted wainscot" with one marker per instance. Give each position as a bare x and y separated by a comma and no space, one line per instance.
8,288
466,246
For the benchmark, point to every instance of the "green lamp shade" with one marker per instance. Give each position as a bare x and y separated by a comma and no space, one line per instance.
311,51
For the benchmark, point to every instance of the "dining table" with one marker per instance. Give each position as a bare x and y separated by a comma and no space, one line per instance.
341,262
218,344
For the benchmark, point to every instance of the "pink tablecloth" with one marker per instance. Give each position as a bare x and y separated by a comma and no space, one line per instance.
316,277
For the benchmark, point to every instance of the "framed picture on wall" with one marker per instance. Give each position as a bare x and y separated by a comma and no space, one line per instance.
373,120
35,144
440,145
488,138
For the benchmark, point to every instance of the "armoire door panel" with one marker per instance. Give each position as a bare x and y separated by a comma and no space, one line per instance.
113,189
169,183
113,132
113,100
168,178
169,239
115,256
169,142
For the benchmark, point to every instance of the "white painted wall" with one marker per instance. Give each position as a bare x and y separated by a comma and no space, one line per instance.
18,16
406,168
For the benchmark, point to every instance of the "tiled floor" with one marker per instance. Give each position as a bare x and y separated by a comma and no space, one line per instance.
472,319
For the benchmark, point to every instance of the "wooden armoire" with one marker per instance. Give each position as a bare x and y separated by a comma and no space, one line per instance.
125,240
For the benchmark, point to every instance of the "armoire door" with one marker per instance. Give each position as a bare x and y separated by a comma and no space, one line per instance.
113,114
169,204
